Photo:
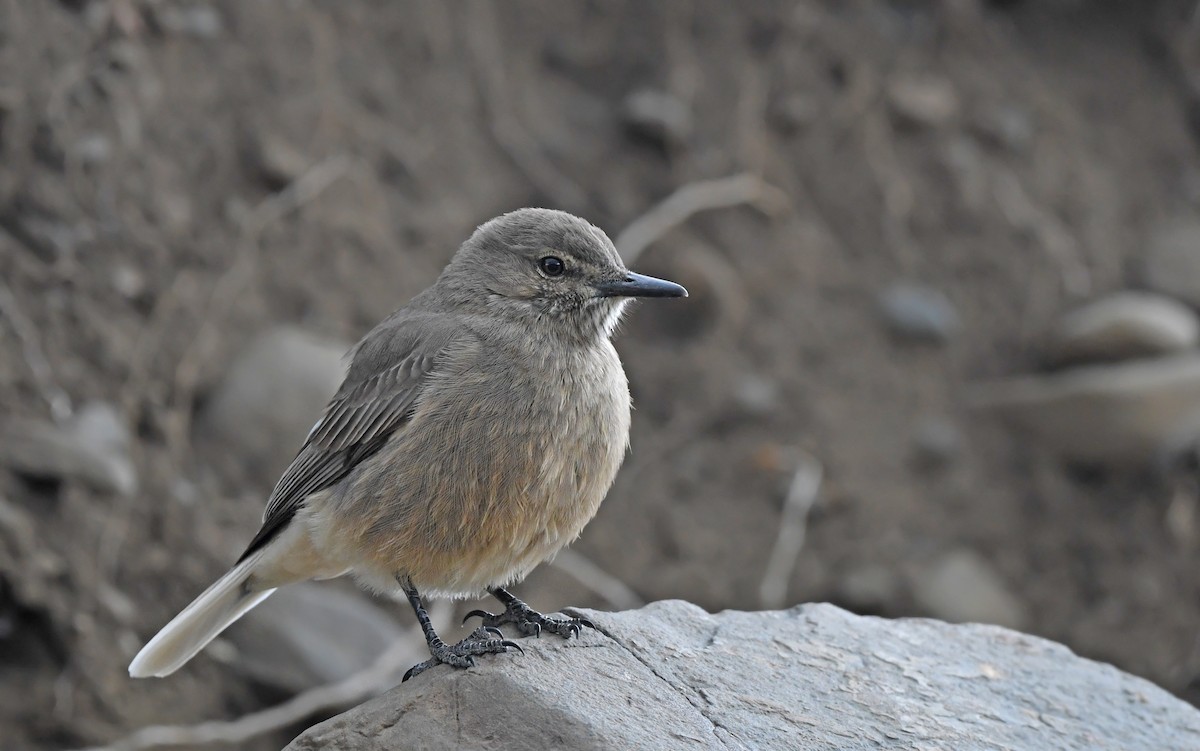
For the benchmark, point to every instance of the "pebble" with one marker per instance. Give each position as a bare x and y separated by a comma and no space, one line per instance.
918,313
928,101
657,116
757,395
195,20
794,114
279,163
93,148
128,281
1006,126
936,442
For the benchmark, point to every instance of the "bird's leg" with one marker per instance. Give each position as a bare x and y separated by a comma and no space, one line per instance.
481,641
527,620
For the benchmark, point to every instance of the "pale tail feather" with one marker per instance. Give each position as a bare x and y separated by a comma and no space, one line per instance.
199,623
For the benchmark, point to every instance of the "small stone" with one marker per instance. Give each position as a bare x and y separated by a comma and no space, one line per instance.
195,20
279,163
928,101
1172,261
270,396
1005,126
918,313
128,281
1123,326
756,394
962,587
936,442
795,113
173,211
94,148
658,117
100,424
313,634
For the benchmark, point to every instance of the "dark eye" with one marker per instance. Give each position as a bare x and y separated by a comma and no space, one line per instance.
551,265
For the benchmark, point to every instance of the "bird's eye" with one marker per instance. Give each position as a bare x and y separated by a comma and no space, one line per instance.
552,265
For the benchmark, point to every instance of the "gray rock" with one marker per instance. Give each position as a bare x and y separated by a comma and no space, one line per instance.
1123,415
756,394
657,116
270,396
918,313
795,113
928,100
936,442
671,676
128,281
1123,326
1006,126
93,448
93,148
871,587
312,634
278,162
962,587
196,20
1172,261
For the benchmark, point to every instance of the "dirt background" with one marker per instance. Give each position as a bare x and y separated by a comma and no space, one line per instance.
135,150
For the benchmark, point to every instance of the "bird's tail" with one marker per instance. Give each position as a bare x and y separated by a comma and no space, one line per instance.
228,599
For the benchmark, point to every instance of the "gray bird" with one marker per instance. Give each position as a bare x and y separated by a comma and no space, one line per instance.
475,435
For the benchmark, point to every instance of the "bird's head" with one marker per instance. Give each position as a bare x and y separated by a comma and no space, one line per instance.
541,265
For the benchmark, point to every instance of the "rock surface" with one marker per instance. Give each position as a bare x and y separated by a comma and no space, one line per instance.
1172,260
963,587
671,676
270,396
93,448
1124,326
311,634
1128,414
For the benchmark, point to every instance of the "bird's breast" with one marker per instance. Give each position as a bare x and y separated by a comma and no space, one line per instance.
502,464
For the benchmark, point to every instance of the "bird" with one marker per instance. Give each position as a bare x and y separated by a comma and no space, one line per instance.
476,433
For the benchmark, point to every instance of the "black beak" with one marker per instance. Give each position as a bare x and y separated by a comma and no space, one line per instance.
639,285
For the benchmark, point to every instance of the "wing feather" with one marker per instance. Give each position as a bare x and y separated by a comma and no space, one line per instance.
359,419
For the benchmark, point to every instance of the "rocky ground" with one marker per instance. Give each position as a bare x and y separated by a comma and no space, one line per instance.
949,335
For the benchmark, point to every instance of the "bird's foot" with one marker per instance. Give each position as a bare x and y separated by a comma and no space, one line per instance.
530,622
482,641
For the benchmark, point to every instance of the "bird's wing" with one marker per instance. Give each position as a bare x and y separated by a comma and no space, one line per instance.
386,376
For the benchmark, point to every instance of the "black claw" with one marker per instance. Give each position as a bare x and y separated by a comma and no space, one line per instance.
513,645
537,630
493,630
477,613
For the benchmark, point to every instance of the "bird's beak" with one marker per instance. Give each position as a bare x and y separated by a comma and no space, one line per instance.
639,285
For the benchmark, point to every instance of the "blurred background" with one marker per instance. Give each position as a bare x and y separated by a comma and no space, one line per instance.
940,357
